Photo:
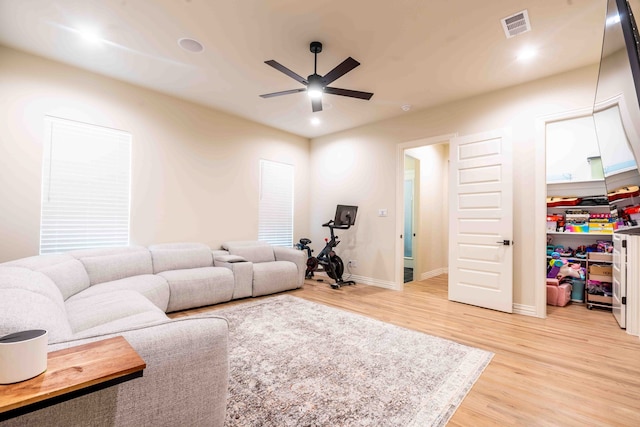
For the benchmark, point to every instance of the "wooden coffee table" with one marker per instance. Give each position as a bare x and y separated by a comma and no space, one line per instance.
73,372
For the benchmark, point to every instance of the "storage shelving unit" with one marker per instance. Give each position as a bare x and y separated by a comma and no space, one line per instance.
575,239
594,300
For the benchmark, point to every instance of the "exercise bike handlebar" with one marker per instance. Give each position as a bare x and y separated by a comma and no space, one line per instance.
331,224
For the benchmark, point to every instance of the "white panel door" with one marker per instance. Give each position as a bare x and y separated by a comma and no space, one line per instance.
481,223
619,284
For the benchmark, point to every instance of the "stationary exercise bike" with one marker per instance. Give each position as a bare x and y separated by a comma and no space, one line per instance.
327,260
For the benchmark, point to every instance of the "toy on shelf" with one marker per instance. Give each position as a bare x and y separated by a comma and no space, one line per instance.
555,264
571,270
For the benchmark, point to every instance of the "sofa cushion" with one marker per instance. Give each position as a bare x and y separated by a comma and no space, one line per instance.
108,264
100,309
22,310
255,254
137,320
66,272
32,281
179,256
30,300
272,277
153,287
298,257
196,287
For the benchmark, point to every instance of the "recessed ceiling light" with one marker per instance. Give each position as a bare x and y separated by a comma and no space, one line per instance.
527,53
315,121
90,35
406,107
191,45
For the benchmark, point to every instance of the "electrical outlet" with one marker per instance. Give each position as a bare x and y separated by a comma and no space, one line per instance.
353,263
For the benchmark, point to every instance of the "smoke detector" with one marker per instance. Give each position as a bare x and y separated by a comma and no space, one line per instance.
516,24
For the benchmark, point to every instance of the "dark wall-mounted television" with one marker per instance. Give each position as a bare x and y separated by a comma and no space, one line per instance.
631,40
617,106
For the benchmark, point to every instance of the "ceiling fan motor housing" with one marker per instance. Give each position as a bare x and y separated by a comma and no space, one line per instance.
315,80
315,47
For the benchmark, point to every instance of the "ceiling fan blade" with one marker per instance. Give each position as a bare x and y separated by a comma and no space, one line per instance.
347,92
316,104
287,71
284,92
343,68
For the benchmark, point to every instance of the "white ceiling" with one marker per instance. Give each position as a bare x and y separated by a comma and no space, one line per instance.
417,52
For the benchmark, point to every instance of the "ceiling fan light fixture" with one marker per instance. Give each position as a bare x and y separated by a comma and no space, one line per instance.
315,89
314,92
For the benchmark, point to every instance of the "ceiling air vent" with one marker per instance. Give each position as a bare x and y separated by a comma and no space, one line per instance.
516,24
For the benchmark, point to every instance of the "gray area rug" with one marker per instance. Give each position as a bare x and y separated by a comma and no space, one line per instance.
298,363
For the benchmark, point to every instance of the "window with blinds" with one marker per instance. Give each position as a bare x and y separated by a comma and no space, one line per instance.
86,178
275,217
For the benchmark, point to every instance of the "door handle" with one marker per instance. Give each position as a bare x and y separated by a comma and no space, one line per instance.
505,242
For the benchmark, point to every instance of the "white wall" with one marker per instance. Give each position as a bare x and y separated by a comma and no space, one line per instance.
434,209
358,166
194,169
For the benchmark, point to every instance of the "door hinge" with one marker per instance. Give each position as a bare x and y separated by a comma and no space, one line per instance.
624,300
624,243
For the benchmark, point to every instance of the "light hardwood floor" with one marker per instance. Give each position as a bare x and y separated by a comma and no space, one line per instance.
575,368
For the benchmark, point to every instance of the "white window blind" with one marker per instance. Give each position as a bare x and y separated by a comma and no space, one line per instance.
85,187
275,217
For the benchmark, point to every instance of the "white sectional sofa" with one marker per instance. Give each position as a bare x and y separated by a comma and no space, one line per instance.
89,295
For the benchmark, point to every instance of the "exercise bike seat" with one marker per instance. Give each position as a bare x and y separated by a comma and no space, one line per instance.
305,241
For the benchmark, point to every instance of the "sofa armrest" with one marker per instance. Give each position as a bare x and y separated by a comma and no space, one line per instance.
298,257
185,381
242,274
229,259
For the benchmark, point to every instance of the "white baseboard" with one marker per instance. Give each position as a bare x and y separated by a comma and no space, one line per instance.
526,310
434,273
370,281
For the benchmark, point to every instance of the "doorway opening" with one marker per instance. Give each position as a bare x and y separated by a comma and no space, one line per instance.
424,209
410,165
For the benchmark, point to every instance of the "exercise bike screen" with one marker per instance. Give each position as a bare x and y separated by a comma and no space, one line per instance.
345,215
